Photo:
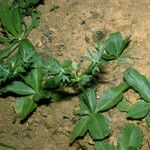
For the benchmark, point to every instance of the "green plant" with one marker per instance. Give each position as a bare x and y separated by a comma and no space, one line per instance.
24,73
91,118
18,53
140,84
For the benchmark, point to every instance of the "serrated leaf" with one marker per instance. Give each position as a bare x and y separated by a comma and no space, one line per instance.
27,51
139,110
124,106
148,119
115,45
18,87
34,79
80,128
17,19
104,146
138,82
130,137
6,18
24,106
111,97
90,98
98,126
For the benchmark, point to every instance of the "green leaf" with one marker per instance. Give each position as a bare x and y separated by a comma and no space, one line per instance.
90,98
34,79
130,138
104,146
4,40
148,78
124,106
24,106
80,128
95,56
7,51
138,82
18,87
27,51
111,97
148,119
139,110
98,127
115,45
4,73
66,65
84,110
54,66
17,19
6,18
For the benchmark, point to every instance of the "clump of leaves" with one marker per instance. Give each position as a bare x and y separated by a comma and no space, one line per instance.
18,53
91,118
140,84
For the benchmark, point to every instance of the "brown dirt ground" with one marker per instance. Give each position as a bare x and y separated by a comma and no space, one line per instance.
64,33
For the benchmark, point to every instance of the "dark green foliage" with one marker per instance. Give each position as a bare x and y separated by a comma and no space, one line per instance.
115,46
138,82
31,79
90,121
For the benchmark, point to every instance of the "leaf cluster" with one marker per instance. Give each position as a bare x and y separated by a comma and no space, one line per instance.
24,73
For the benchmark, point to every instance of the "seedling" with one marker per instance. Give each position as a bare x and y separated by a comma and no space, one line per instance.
91,119
24,73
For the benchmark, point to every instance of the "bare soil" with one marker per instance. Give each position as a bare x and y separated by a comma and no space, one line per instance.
66,33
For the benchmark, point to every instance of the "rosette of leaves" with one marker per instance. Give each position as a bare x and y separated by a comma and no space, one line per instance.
91,118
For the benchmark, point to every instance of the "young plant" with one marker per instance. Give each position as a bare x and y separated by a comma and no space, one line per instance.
19,51
95,123
14,26
91,118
